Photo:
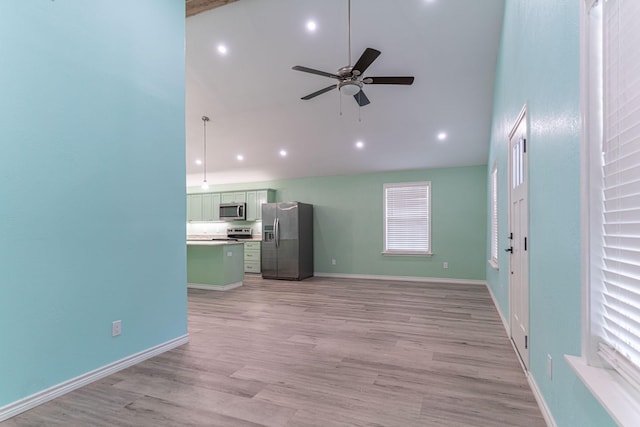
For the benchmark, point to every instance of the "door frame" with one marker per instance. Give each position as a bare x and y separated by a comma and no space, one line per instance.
521,119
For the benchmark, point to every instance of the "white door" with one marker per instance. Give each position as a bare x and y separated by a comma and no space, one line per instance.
519,234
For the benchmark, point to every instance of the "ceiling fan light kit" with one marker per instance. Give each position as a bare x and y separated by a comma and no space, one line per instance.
350,87
350,80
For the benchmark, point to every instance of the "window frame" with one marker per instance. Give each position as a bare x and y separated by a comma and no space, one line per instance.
616,394
407,252
493,228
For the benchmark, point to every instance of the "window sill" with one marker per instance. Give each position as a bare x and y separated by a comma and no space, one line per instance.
493,264
425,254
617,397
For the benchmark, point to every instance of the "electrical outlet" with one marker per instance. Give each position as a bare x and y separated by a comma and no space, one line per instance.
229,253
333,262
445,265
116,328
549,366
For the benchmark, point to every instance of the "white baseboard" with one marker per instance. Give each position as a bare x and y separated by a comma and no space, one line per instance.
402,278
495,303
58,390
214,287
542,404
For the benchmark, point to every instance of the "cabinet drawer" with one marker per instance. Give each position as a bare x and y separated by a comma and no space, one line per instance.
252,256
248,246
252,267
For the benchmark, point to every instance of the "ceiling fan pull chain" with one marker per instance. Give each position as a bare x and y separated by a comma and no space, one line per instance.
340,101
359,110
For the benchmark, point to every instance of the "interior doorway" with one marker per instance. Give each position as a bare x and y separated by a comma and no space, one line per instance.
518,237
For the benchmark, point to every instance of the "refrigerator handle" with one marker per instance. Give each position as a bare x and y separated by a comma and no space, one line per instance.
276,230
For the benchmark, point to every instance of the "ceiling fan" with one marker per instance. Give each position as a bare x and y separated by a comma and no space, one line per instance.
350,80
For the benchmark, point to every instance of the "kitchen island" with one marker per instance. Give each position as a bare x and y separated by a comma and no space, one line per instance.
215,265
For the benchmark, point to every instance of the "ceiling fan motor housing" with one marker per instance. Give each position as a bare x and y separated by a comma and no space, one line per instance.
345,72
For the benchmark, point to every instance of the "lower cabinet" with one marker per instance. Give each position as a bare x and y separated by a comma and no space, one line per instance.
252,257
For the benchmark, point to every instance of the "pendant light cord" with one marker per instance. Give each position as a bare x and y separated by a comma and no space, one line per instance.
349,25
205,119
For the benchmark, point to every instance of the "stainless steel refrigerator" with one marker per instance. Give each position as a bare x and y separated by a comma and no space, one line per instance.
287,240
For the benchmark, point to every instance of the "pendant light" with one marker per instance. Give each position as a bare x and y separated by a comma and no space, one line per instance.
205,119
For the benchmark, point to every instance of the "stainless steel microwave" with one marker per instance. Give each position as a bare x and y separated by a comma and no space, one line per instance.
233,211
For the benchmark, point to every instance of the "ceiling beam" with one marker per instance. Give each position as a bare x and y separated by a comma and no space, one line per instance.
197,6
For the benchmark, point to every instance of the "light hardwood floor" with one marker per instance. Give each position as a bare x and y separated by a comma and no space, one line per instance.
321,352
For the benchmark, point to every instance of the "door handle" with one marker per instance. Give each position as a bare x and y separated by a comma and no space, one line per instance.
277,231
509,250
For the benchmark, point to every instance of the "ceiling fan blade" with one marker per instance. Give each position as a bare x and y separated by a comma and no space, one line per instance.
368,56
388,80
361,99
312,71
318,92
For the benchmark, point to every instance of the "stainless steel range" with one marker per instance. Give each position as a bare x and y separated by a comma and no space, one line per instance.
239,233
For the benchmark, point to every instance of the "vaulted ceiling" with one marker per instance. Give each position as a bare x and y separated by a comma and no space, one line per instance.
252,95
193,7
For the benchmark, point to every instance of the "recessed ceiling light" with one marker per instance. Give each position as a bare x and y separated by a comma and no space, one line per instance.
359,144
442,136
240,157
283,153
311,26
222,49
198,162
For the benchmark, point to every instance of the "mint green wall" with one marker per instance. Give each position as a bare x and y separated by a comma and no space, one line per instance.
539,65
92,100
348,221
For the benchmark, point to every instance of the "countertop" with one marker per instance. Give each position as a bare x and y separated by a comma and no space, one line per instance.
212,243
208,237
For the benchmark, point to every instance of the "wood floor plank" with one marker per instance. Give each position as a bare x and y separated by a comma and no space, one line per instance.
320,352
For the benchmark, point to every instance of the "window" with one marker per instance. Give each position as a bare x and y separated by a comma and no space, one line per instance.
407,218
611,207
494,216
619,327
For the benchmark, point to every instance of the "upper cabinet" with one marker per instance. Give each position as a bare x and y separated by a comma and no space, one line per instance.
206,206
211,207
194,207
235,197
255,199
252,206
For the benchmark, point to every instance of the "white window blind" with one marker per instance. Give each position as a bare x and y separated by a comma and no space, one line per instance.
407,218
620,299
494,215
